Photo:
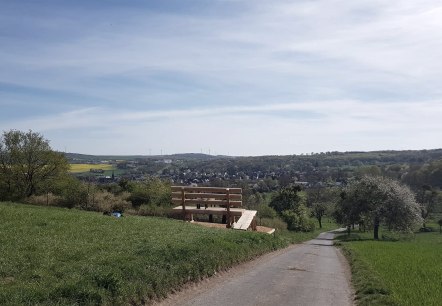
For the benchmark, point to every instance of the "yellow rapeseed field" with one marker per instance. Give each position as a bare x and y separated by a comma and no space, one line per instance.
78,168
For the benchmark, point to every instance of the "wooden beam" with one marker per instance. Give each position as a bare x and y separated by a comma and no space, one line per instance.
207,189
218,196
207,202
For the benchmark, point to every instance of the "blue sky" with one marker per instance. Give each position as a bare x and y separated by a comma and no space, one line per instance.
237,77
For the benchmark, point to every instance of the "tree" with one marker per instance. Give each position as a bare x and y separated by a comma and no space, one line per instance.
320,201
289,203
27,164
440,225
426,196
287,198
380,200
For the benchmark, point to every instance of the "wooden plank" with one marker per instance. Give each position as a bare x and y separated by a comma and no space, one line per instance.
206,202
218,196
207,189
211,210
246,219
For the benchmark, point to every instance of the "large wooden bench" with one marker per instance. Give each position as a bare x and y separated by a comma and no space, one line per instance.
208,201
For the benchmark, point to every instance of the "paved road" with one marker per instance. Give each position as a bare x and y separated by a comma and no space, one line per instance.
313,273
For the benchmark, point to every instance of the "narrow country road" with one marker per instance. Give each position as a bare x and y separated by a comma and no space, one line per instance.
312,273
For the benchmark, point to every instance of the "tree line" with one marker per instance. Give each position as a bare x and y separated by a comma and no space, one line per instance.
375,196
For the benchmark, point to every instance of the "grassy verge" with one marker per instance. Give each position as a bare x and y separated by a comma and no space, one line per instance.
402,272
55,256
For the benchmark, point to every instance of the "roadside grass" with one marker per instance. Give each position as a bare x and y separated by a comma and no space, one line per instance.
80,168
401,270
56,256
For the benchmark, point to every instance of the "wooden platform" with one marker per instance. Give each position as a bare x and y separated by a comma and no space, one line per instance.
245,221
211,210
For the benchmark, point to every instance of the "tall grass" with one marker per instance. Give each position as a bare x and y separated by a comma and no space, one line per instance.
56,256
403,272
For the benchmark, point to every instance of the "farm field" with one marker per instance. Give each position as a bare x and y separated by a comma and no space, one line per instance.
57,256
404,272
80,168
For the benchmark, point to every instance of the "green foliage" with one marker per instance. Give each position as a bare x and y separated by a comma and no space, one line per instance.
405,272
265,211
322,201
152,191
28,165
73,192
298,219
380,200
72,257
287,198
289,203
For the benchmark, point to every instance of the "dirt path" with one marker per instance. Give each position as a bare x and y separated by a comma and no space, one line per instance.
312,273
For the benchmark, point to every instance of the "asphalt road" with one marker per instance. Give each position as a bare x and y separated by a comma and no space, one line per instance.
313,273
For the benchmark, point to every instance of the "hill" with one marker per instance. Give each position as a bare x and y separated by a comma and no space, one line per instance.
55,256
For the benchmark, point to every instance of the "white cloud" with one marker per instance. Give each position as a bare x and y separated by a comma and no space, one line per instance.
340,125
370,71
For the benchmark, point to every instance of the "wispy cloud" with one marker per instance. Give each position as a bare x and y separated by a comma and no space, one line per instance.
365,71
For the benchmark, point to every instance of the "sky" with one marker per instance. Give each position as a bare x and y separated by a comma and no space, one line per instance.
225,77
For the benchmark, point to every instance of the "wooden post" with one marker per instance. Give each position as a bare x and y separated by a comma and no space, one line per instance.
183,203
228,208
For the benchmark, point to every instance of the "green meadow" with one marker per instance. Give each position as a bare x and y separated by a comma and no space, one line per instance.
403,272
56,256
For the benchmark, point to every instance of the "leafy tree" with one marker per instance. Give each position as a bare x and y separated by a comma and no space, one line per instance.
320,201
28,165
427,199
287,198
290,204
381,200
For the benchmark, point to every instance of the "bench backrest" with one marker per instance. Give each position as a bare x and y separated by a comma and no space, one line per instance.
187,195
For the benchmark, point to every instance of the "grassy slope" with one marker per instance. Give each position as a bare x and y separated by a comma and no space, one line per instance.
397,272
60,256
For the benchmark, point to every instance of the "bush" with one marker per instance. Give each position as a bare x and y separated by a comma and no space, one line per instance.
153,191
276,223
265,211
46,199
298,220
107,202
152,210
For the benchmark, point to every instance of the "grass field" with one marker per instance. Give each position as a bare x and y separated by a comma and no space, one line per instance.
80,168
404,272
55,256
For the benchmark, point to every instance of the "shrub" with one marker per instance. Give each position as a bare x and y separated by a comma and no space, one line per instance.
48,199
105,201
298,220
152,210
276,223
153,191
265,211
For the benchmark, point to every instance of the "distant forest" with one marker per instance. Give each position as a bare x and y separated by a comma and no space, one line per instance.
415,168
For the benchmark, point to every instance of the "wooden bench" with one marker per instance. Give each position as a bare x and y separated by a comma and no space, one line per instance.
208,201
